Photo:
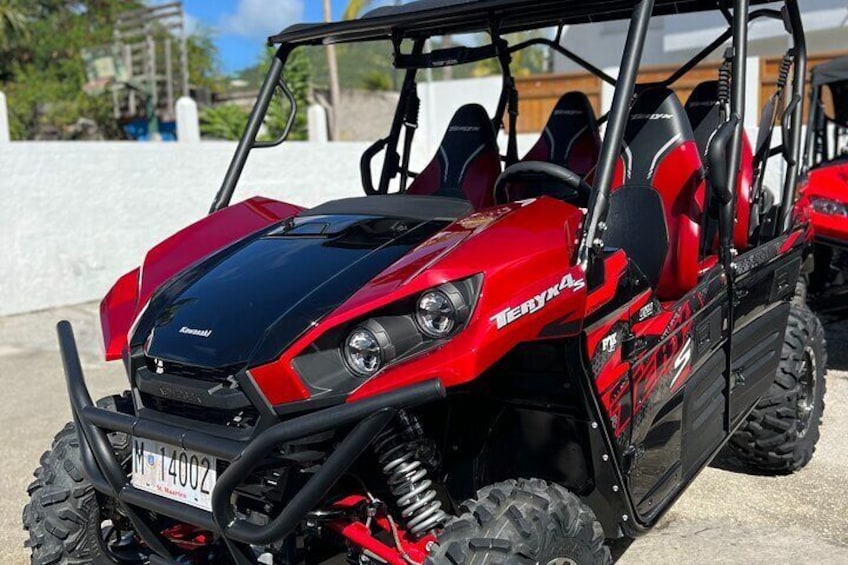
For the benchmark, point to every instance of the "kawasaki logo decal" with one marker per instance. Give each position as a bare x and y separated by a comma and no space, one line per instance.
198,333
533,305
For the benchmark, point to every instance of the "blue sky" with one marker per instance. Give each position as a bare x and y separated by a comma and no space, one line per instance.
241,26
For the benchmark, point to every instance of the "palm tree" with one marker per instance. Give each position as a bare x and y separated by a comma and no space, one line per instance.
332,68
13,22
355,8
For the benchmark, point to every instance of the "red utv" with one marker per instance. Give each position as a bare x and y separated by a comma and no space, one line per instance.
824,187
493,360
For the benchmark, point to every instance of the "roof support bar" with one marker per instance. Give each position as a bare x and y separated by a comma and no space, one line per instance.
254,122
737,116
611,148
796,116
700,56
555,45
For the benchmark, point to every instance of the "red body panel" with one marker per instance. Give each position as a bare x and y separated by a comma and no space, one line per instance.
132,291
117,311
830,182
522,250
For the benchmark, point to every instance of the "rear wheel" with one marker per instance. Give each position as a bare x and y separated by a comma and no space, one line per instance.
525,521
67,521
781,432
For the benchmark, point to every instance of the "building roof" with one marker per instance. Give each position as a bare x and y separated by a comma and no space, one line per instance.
426,18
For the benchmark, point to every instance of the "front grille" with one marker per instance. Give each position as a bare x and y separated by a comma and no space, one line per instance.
192,402
191,371
242,418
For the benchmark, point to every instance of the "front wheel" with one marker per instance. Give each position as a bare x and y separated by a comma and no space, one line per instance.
781,432
524,521
67,521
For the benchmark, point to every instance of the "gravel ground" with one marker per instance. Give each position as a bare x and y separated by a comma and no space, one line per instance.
726,517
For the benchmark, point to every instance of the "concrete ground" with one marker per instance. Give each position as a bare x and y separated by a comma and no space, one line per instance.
726,517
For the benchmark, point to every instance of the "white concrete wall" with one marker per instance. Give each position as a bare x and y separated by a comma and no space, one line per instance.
75,216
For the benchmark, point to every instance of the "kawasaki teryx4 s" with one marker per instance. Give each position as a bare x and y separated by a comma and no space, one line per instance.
469,364
824,187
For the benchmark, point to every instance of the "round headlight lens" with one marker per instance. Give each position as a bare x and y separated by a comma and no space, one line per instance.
363,353
436,314
829,207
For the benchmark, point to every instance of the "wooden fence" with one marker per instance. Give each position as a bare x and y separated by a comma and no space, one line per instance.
538,94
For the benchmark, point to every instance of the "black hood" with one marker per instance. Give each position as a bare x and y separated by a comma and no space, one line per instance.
244,305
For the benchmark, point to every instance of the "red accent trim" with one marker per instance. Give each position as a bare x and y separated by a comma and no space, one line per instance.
116,314
278,384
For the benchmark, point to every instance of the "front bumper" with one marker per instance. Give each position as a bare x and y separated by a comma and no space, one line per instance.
102,468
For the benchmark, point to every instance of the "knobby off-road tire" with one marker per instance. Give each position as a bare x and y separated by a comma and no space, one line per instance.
781,432
525,521
64,518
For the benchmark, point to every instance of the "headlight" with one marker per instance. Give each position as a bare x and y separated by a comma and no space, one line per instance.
829,207
439,311
363,353
343,357
375,342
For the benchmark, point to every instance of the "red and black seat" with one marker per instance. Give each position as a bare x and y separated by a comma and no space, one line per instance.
656,208
571,139
467,163
704,110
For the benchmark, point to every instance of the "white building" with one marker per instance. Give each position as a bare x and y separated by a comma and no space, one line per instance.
673,39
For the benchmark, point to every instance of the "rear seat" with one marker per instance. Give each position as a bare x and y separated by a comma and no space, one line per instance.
704,111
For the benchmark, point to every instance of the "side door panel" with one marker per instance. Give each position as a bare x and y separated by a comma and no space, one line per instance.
764,286
679,383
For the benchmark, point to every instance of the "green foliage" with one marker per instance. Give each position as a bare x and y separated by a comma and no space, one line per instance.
42,72
356,62
203,63
223,122
355,8
377,80
297,77
228,121
13,22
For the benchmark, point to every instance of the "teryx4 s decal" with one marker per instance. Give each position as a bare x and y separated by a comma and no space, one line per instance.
536,303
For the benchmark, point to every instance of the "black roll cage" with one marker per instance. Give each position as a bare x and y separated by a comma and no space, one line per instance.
735,12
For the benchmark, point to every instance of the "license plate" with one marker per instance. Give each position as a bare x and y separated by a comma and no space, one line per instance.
179,474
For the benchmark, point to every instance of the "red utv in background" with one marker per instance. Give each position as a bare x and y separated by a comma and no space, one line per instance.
824,188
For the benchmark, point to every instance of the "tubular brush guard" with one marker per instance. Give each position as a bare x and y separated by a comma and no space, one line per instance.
104,471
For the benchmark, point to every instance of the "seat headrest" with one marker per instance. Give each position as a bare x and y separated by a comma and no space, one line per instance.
704,111
572,115
469,133
657,125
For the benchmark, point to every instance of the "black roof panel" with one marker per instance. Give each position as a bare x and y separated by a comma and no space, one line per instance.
425,18
835,70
